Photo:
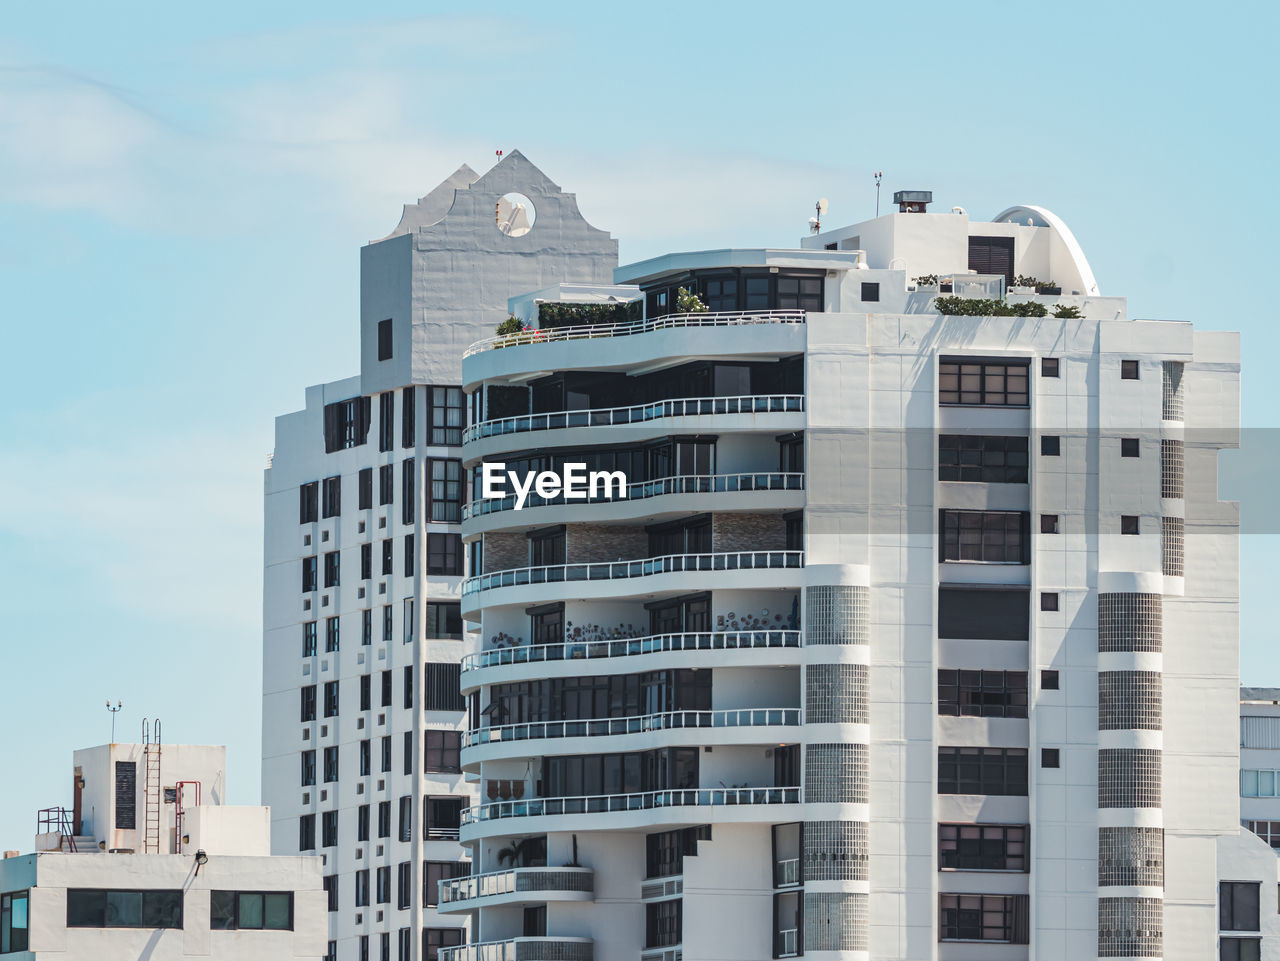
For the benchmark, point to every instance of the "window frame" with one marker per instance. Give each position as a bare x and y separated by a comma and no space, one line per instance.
952,391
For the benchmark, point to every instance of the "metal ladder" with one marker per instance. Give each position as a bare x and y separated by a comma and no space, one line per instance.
151,790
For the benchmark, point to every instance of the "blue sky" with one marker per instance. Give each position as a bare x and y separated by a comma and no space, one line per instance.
183,192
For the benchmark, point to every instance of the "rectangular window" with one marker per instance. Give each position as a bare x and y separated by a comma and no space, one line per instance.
386,754
442,816
1050,757
1048,366
366,561
1048,600
386,484
330,764
386,688
387,421
1049,524
365,692
442,752
90,908
366,758
362,888
433,872
987,459
408,752
1238,906
446,409
1050,445
329,829
308,768
346,424
1129,524
982,770
791,453
126,795
408,417
443,688
433,939
308,502
444,554
870,292
366,627
308,574
445,490
982,383
982,847
404,884
387,622
408,555
663,923
332,568
1048,680
982,693
331,699
406,817
547,626
308,703
406,491
1128,370
332,496
546,547
1240,949
330,634
1129,447
386,557
331,893
384,819
365,488
985,537
384,339
984,917
309,639
405,938
992,255
307,832
444,620
362,821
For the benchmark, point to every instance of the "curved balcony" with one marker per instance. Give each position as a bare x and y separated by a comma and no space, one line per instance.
675,799
550,335
523,949
638,724
516,886
641,490
641,567
631,646
636,414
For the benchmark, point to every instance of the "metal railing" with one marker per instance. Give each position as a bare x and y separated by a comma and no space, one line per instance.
647,800
641,567
786,871
788,942
628,646
545,335
685,484
516,880
522,949
636,414
638,724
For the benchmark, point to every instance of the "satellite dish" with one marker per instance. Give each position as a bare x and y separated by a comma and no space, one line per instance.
822,205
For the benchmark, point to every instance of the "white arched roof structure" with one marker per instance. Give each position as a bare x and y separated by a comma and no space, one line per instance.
1040,217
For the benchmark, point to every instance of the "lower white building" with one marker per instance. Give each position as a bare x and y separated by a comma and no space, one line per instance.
148,862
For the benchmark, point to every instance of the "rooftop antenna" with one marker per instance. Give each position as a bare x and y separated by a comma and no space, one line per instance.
820,208
499,153
879,176
114,711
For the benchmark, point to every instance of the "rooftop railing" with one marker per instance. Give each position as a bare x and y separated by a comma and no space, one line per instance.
644,801
545,335
628,646
684,484
642,567
638,724
636,414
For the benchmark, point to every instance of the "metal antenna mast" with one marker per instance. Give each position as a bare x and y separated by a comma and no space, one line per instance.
879,175
114,711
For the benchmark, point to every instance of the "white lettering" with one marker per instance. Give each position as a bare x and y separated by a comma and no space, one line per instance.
575,483
575,478
607,479
522,492
548,484
492,475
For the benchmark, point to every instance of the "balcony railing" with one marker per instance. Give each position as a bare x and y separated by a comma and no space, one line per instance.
687,484
786,872
642,567
636,414
740,318
648,800
788,942
522,949
516,881
628,646
639,724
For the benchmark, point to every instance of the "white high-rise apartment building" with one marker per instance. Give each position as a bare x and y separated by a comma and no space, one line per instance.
362,633
915,637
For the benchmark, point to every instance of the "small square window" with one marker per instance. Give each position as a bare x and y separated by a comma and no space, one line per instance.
1128,370
1050,445
1048,680
1048,523
384,340
1049,757
1128,447
871,292
1048,366
1048,601
1128,523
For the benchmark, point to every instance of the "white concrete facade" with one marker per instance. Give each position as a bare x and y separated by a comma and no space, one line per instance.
879,690
440,281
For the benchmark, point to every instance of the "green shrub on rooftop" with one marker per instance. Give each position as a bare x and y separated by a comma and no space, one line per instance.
984,307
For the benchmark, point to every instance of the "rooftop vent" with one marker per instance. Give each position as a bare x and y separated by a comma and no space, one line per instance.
912,201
